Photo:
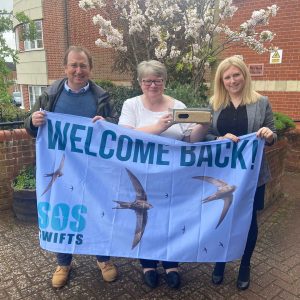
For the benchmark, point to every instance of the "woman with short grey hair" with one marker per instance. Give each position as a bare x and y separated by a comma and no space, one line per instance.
149,113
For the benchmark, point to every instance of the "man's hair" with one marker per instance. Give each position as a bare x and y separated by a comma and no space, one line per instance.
78,49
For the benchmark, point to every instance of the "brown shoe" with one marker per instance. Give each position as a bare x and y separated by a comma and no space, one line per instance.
60,276
109,270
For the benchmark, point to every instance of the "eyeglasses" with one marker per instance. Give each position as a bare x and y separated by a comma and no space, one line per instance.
157,82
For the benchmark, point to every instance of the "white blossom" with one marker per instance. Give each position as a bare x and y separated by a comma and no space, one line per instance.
174,52
181,30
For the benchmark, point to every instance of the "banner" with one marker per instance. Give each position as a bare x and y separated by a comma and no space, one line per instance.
107,190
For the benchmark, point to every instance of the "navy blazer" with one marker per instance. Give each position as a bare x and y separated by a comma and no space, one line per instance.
259,115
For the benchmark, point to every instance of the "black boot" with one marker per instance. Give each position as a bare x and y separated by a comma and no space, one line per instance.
243,280
151,278
173,279
218,273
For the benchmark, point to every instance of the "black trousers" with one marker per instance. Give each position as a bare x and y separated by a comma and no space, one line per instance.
147,263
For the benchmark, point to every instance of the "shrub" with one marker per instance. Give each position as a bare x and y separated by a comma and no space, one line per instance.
187,94
118,94
25,179
10,112
283,122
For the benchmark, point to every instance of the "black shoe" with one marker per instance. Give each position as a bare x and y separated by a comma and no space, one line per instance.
218,273
243,280
151,278
173,279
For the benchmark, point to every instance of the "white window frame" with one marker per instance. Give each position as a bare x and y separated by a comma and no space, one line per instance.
33,45
34,91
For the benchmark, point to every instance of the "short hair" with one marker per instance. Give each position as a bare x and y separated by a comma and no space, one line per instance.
78,49
151,67
221,97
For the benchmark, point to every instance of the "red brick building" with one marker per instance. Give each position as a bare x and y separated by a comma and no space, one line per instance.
62,23
281,82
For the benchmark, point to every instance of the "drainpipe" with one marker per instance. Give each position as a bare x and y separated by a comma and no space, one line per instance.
66,27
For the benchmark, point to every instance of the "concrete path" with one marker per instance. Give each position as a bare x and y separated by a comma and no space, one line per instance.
26,270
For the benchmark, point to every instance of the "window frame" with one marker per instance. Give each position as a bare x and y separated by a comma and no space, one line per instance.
33,45
32,97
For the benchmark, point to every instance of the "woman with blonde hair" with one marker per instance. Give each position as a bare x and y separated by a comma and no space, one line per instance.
239,110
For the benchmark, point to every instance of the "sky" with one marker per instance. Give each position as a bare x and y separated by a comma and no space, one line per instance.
9,36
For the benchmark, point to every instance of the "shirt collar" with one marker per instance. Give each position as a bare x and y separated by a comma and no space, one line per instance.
82,90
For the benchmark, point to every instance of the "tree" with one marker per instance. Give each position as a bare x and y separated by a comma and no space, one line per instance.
6,24
186,35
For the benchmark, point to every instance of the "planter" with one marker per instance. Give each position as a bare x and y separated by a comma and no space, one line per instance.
25,205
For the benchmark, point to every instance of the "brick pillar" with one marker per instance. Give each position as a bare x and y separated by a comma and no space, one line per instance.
17,149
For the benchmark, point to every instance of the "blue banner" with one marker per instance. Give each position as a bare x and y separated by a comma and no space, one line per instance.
107,190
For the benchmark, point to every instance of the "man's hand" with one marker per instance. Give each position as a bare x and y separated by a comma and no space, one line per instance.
38,118
96,118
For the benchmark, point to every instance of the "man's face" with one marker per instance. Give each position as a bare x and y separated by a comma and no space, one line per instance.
77,70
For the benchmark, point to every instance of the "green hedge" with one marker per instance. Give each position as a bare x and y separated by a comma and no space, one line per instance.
9,113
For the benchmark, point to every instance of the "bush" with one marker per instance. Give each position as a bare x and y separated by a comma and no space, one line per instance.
25,179
283,122
10,112
187,94
118,94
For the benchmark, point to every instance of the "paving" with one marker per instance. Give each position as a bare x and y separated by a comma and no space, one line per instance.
26,269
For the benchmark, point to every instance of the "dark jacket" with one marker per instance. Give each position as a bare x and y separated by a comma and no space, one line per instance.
49,97
259,115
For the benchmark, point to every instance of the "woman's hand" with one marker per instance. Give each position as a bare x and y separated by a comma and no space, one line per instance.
265,133
229,136
38,118
164,122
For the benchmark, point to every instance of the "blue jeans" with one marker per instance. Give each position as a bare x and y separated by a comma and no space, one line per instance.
64,259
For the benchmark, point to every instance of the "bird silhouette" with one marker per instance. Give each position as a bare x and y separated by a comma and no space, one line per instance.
205,250
140,206
224,192
183,229
57,173
221,244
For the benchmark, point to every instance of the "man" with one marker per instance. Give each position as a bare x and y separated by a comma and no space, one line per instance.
76,95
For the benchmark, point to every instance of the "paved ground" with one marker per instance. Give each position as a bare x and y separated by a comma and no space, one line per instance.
26,270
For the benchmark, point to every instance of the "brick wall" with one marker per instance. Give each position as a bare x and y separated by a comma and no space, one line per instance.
66,24
286,25
17,149
276,158
293,151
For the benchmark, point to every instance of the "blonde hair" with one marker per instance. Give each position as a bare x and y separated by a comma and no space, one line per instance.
151,67
221,98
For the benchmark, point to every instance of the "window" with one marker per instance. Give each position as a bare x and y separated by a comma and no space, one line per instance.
34,92
38,42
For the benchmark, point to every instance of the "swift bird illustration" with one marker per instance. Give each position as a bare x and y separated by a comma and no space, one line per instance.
140,206
57,173
224,192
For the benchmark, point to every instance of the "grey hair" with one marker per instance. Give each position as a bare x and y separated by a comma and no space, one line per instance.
151,67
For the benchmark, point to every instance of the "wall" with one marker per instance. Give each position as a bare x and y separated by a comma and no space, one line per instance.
275,155
66,24
293,151
17,149
286,96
